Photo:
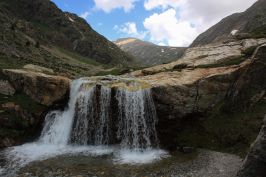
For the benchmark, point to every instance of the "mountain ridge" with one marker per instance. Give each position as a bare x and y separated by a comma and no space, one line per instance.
248,24
37,31
147,53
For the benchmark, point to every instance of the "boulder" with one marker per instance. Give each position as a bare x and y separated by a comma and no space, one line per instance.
42,88
36,68
180,93
255,163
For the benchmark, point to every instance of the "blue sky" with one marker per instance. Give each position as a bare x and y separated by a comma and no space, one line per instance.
164,22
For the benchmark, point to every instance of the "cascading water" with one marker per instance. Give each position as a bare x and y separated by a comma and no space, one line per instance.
88,119
137,118
102,111
57,127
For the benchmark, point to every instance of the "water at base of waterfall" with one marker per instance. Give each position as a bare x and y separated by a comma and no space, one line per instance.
20,156
96,118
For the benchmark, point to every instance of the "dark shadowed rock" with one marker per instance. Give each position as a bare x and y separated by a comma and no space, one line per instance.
255,162
250,87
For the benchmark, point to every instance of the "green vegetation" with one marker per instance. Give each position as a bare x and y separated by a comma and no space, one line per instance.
259,32
222,131
114,72
24,101
8,63
78,57
249,52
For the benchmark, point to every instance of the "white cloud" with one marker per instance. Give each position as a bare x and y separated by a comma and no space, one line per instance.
108,5
182,13
166,27
151,4
130,29
161,44
85,15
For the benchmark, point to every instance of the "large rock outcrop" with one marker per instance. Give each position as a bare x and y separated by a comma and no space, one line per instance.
188,94
255,162
250,88
208,56
44,89
26,98
192,93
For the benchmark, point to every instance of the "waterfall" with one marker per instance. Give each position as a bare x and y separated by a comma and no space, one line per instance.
57,127
137,118
102,113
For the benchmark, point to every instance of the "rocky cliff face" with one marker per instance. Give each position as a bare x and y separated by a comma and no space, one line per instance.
148,53
25,98
199,97
251,23
250,87
255,162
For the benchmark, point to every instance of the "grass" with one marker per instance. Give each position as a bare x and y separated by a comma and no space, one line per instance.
259,32
79,57
10,63
114,72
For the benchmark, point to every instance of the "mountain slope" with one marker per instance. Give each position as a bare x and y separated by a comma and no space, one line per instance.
36,31
148,53
251,23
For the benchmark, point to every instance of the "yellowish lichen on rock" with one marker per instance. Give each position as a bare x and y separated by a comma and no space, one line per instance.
129,84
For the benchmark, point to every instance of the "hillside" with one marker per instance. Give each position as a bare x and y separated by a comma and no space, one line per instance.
248,24
148,53
37,32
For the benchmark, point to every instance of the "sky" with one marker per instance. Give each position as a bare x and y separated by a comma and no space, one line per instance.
163,22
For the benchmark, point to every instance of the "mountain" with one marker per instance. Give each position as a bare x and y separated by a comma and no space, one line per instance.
148,53
37,32
248,24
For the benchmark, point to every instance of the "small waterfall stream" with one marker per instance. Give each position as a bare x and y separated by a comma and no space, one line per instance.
101,115
102,112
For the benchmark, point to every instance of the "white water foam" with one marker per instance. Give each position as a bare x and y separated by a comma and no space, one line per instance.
20,156
58,124
127,156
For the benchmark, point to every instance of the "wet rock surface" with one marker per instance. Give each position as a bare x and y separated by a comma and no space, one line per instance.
201,164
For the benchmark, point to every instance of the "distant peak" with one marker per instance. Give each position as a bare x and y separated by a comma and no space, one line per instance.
124,41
